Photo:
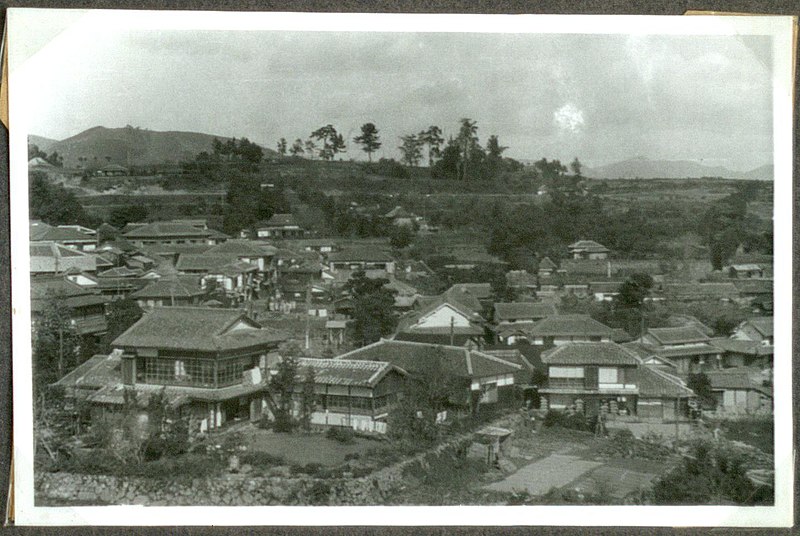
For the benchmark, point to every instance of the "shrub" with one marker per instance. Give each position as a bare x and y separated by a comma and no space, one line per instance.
351,456
319,493
575,421
341,434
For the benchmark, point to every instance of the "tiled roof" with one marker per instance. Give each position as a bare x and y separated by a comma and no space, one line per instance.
345,371
763,324
515,310
409,320
243,248
168,288
94,324
737,378
482,291
570,325
606,287
681,320
654,383
49,257
202,262
701,290
754,348
590,353
413,357
547,264
399,212
685,350
521,278
679,335
121,271
279,220
588,245
96,372
42,231
176,395
361,253
195,328
754,286
165,229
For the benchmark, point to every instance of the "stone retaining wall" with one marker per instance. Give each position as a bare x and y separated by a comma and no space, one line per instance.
239,489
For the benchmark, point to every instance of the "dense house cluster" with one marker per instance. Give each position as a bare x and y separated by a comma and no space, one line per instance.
218,310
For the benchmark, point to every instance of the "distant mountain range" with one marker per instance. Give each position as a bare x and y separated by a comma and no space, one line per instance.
129,146
644,168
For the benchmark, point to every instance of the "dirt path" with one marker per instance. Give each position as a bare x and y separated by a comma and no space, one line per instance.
554,471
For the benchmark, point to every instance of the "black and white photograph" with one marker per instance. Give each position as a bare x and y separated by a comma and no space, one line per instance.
417,262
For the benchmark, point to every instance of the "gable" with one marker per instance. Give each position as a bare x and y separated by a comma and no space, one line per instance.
441,317
241,325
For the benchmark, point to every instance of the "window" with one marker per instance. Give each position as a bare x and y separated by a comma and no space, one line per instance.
566,372
607,375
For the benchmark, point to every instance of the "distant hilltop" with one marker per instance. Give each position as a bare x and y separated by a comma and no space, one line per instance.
129,146
644,168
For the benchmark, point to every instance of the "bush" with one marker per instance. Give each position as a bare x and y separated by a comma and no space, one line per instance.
341,434
319,493
575,421
351,456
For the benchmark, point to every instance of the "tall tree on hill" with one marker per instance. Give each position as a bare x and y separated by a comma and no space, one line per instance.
373,308
122,314
332,142
433,139
468,139
310,148
411,149
576,167
282,146
369,139
297,148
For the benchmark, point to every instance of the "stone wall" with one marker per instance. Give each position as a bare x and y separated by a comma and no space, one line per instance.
241,489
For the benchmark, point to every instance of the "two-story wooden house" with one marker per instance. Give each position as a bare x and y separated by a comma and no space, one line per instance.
562,329
212,361
591,377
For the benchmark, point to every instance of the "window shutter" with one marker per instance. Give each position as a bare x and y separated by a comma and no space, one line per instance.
591,377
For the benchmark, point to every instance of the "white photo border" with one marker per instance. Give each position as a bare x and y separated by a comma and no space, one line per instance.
21,20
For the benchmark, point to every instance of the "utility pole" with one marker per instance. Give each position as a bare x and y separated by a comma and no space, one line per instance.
452,331
308,315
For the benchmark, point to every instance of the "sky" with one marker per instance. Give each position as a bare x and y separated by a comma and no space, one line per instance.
601,98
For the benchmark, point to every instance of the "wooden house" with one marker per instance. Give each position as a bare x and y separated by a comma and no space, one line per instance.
480,378
741,390
50,258
590,377
210,362
759,328
350,393
361,258
562,329
164,233
280,226
588,249
686,346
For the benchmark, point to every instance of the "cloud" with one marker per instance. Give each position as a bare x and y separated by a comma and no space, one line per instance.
569,118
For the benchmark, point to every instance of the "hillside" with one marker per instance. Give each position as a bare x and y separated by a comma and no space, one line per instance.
129,146
762,173
644,168
44,144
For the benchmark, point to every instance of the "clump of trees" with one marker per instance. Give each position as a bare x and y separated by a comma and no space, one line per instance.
373,309
247,203
53,158
230,155
54,204
332,142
